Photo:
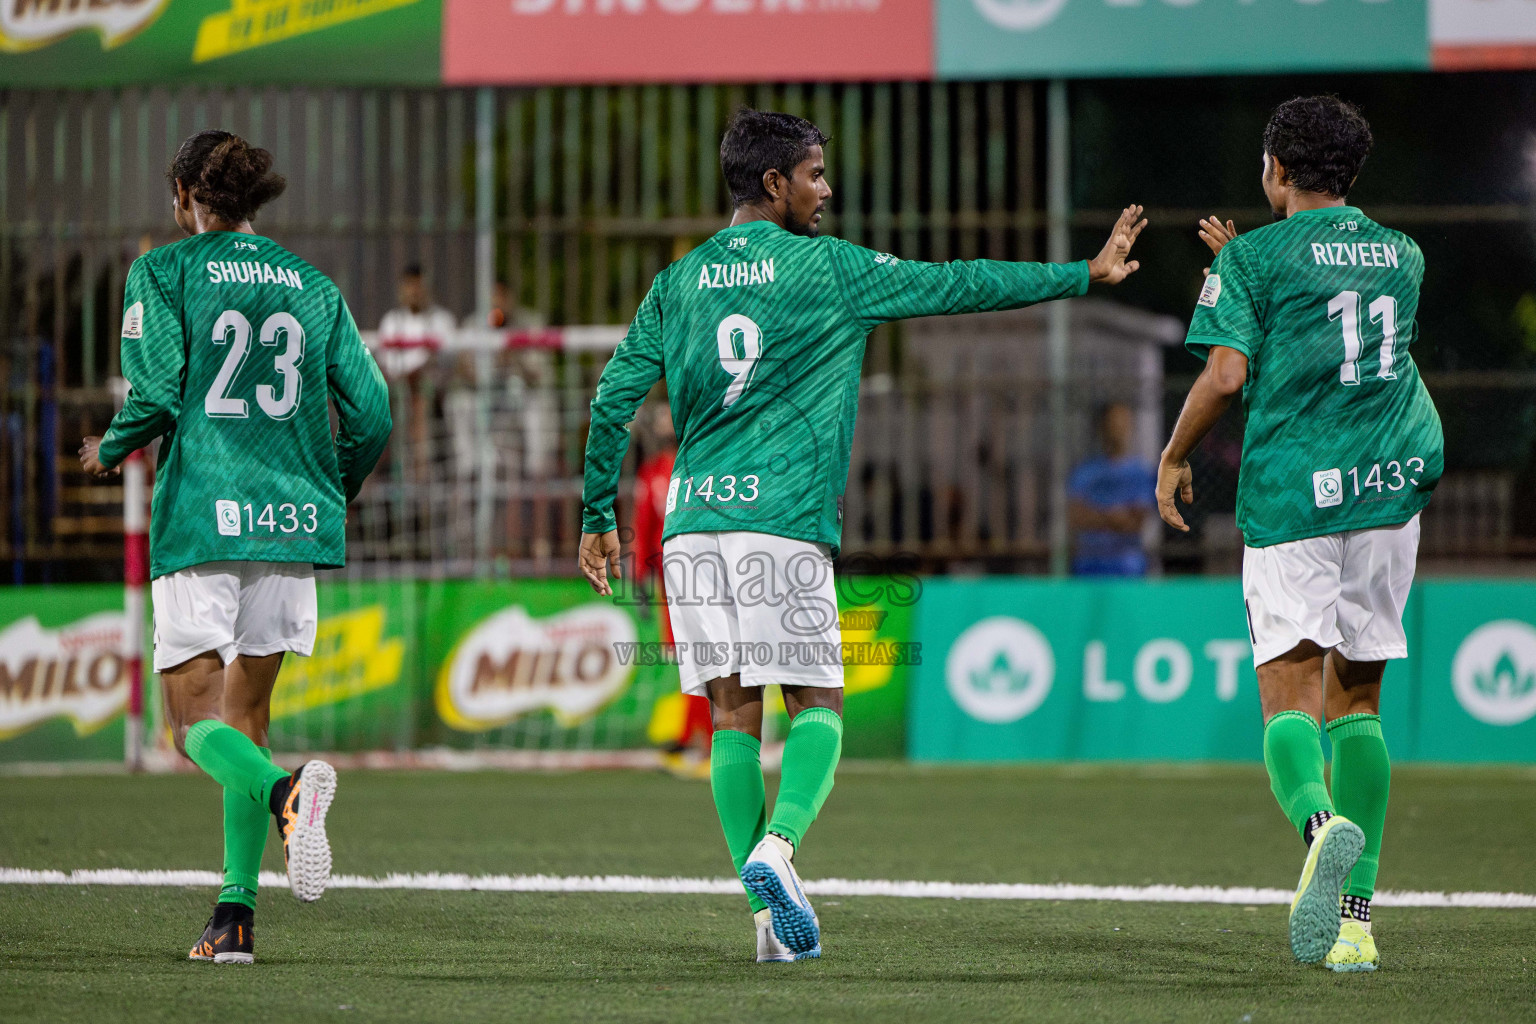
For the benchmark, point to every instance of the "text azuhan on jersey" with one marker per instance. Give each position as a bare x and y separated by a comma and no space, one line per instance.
734,275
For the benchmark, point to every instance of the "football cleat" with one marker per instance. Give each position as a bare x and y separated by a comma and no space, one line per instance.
770,877
233,943
770,950
1354,950
306,850
1315,909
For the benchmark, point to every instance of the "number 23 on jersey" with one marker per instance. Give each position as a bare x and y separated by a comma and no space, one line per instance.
234,330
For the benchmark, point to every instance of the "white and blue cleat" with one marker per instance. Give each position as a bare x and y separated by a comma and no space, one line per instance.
770,877
770,950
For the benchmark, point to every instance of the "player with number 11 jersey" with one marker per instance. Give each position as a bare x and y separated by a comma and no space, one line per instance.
1311,318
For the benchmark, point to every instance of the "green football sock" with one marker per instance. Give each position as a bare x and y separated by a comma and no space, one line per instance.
1294,757
233,761
245,838
1362,774
736,779
810,759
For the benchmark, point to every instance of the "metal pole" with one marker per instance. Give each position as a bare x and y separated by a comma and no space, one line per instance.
1058,247
485,197
136,574
485,279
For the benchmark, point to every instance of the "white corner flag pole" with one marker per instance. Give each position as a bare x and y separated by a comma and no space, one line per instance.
135,575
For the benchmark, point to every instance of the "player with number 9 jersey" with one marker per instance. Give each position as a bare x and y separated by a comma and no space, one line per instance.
234,349
760,334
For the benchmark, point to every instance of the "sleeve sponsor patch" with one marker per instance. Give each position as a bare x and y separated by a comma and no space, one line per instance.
1212,290
133,321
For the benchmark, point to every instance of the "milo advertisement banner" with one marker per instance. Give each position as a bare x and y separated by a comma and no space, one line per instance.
63,677
509,665
90,43
547,665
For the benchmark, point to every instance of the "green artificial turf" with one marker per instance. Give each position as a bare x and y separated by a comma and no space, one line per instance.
108,953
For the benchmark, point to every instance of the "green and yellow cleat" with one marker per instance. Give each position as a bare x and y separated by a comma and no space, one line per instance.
1315,910
1354,950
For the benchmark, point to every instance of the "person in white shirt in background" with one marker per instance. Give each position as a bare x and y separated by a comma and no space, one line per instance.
408,338
411,332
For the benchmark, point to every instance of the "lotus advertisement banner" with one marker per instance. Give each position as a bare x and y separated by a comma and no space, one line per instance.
76,44
1022,670
1112,38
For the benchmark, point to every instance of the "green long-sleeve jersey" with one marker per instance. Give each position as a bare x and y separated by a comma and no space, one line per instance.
231,346
1341,433
760,335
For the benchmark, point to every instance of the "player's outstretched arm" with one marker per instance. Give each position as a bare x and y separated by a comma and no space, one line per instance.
879,287
1113,264
1224,374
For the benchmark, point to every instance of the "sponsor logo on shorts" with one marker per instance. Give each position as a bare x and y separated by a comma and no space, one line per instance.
1494,672
1000,669
1328,488
227,513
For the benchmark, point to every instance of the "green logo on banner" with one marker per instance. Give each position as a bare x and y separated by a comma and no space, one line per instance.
1494,672
1000,669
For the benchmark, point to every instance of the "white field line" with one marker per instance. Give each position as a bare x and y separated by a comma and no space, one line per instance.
436,882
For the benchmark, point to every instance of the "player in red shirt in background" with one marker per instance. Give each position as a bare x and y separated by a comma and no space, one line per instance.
651,482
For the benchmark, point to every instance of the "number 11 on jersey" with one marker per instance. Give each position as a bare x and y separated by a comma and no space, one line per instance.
1345,307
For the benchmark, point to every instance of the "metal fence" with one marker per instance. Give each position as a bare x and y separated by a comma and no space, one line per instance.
575,197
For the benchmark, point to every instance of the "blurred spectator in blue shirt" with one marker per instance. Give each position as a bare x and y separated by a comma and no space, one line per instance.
1111,498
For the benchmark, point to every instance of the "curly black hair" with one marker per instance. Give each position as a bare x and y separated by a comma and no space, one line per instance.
226,174
759,140
1322,141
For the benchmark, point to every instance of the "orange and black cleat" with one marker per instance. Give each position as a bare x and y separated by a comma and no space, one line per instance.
301,823
232,942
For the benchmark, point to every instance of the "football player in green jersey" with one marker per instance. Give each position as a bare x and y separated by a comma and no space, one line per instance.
1311,318
760,334
231,347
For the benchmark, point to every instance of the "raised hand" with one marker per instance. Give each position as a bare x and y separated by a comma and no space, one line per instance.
1215,234
1111,265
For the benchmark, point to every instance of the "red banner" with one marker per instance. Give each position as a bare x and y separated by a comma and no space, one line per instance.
527,42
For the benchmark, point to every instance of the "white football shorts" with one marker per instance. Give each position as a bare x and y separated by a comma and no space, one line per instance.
1345,591
251,608
752,603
